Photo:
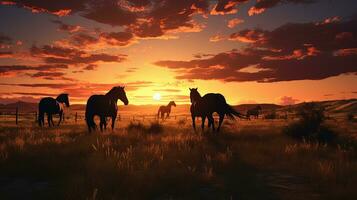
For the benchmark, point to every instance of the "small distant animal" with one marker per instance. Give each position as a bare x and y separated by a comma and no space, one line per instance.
165,110
255,112
52,106
104,106
205,106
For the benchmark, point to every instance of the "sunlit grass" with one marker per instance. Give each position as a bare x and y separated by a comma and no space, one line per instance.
169,160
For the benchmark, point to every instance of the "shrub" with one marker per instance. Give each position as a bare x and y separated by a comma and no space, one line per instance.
153,128
271,115
310,127
136,127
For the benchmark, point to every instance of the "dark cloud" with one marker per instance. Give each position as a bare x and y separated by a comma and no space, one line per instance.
49,72
72,56
51,76
83,89
223,7
117,38
143,18
290,52
5,39
262,5
67,27
109,12
34,94
56,7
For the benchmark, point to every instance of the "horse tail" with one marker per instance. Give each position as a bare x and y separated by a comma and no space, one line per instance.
231,112
89,120
158,113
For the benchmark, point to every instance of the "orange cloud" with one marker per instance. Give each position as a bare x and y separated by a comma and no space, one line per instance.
234,22
216,38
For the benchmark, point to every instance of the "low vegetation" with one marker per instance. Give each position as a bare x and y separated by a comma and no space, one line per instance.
148,160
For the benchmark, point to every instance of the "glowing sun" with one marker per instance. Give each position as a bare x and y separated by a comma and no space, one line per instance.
157,96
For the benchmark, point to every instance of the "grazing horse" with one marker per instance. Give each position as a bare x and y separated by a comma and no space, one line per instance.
51,106
254,112
165,109
104,106
208,104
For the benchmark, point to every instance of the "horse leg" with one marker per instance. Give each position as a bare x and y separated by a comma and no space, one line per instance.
168,115
60,119
211,121
49,119
193,122
113,121
105,123
203,123
101,123
53,124
162,115
221,117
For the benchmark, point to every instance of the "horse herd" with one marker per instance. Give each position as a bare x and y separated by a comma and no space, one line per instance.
106,106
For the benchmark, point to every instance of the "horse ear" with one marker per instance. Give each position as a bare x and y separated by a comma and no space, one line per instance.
196,88
190,89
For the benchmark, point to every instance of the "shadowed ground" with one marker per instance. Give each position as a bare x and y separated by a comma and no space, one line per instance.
249,160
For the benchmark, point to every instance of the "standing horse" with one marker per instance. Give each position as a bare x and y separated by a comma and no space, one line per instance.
104,106
208,104
51,106
165,109
254,112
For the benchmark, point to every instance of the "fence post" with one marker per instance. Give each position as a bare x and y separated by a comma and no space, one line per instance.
75,118
17,115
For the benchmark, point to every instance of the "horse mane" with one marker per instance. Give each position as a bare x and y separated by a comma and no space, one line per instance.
196,95
62,97
111,92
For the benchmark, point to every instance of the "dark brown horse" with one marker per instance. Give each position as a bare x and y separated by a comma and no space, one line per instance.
51,106
205,106
104,106
165,109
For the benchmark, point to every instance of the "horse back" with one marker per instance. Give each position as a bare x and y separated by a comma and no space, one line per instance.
48,104
101,105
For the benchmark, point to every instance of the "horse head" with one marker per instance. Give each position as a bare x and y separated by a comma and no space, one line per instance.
118,93
172,103
194,95
63,98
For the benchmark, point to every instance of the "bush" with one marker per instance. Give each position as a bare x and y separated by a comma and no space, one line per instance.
310,127
271,115
153,128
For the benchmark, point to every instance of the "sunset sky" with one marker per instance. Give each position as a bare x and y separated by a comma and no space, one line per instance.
251,51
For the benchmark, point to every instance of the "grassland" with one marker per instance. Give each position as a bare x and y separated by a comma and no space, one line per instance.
146,160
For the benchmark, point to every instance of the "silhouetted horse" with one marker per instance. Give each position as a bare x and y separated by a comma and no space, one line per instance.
254,112
165,109
51,106
208,104
104,106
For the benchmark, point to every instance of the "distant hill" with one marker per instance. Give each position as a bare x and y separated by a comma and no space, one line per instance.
21,105
334,106
265,106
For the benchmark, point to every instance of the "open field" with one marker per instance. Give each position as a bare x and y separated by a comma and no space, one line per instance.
145,160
